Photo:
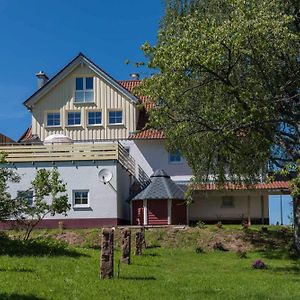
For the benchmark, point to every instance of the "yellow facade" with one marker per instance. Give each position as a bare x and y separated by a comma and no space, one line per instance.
60,98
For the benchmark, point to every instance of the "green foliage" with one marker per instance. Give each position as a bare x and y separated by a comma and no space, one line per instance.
228,78
8,207
49,198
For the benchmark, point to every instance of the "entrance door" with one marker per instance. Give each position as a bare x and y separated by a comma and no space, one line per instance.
157,212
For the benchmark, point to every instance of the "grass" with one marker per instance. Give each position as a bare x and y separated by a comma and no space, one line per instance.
47,269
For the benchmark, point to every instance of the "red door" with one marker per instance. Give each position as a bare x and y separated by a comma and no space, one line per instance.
178,212
137,212
157,212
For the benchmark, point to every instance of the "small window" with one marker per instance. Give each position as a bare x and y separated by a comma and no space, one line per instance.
26,196
74,118
81,198
84,89
94,118
116,117
53,119
175,157
227,201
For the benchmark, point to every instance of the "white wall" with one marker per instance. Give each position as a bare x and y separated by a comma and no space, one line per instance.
208,206
152,155
78,176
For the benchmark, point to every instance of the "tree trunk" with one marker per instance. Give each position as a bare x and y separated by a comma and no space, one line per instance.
296,212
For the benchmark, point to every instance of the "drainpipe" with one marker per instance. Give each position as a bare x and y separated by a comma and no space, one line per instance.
145,212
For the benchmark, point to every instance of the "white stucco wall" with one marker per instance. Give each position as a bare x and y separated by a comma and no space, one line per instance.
208,206
152,155
78,176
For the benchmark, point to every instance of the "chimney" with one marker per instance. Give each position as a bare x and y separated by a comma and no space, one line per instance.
42,79
135,76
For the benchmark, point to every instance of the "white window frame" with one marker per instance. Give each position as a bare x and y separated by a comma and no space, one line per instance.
67,118
175,162
81,205
84,90
87,118
52,112
115,110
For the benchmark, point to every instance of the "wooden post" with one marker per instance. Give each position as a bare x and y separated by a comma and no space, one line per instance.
138,243
107,253
262,200
249,209
126,245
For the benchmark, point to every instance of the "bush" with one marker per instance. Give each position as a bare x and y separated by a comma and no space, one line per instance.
259,264
219,246
219,225
199,250
200,224
245,224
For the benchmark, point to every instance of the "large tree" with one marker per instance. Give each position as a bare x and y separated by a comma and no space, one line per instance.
227,86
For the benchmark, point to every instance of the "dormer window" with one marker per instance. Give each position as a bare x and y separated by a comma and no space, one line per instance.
84,90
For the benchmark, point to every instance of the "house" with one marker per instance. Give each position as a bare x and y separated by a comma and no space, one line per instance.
4,140
86,123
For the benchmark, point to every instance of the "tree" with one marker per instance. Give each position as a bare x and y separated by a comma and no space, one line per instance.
46,184
8,206
228,79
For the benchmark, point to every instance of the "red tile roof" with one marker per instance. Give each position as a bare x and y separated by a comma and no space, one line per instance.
129,85
26,136
148,134
5,140
275,185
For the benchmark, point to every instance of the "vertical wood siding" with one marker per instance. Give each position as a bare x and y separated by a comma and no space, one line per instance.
61,98
137,212
157,212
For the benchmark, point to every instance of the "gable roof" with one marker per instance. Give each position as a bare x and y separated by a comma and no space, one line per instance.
161,187
5,140
79,59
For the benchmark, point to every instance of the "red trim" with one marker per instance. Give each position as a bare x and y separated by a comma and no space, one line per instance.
276,185
71,223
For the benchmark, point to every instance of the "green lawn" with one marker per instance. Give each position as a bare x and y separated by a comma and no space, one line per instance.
52,271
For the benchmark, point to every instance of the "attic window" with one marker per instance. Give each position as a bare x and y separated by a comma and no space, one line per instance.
84,89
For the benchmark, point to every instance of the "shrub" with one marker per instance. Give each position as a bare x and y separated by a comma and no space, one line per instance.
245,224
200,224
199,250
259,264
219,225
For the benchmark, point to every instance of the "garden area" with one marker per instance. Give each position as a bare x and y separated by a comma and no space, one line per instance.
178,263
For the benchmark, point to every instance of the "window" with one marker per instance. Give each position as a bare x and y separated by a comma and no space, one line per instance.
116,117
175,157
81,198
94,118
53,119
74,118
84,89
227,201
26,196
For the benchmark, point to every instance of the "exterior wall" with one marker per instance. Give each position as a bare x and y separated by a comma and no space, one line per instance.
208,206
61,98
152,155
78,176
123,188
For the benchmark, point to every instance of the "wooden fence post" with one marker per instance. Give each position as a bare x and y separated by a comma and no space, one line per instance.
107,253
126,245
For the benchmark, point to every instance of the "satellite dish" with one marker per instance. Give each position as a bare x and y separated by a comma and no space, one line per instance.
105,176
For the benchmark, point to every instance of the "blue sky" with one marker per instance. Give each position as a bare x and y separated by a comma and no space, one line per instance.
46,35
